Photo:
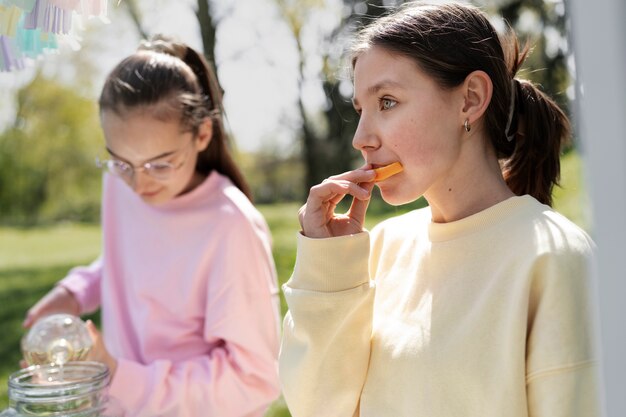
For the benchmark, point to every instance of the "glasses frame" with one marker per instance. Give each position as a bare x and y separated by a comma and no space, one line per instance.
110,165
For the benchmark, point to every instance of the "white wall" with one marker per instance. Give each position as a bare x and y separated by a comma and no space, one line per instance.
599,37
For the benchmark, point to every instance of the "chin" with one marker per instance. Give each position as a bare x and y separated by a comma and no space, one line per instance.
156,199
395,198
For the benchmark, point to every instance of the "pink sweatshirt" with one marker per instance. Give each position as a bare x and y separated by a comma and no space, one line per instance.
189,302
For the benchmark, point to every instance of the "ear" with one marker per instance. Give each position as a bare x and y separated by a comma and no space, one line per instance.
477,92
205,133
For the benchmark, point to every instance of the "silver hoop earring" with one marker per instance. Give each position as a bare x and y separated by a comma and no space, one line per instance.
467,126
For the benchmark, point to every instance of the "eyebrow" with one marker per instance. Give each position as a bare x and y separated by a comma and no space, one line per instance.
163,155
377,87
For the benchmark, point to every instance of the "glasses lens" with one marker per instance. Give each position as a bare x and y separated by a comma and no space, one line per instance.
120,168
160,170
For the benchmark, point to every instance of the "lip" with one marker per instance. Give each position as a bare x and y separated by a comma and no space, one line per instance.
374,166
149,193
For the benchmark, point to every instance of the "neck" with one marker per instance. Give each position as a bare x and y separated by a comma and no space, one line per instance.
474,184
196,180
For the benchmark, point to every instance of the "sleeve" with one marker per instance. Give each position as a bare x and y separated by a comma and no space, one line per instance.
327,331
239,374
84,283
562,374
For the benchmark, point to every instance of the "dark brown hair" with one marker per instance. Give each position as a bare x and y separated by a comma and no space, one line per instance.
173,81
448,42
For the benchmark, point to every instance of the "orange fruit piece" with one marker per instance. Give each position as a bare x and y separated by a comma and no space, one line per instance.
387,171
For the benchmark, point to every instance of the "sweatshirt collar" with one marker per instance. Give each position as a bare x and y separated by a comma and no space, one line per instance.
493,215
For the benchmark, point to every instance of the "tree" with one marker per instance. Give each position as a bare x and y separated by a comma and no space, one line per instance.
326,134
47,169
206,22
208,27
547,64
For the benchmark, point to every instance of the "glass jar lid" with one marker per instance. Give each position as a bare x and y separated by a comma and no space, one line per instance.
56,339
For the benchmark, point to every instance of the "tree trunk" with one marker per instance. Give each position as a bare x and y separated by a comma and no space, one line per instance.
133,12
207,31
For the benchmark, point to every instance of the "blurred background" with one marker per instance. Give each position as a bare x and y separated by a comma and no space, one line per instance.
288,109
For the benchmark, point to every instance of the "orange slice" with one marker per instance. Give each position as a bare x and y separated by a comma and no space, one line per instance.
387,171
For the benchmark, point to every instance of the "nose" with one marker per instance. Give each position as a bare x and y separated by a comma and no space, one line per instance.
139,181
365,137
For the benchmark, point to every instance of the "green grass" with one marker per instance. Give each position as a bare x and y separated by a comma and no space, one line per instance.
571,198
32,260
41,247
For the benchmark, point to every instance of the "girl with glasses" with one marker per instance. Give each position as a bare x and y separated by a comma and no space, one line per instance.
186,281
476,306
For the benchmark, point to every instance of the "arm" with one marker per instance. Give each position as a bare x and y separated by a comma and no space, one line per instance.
238,375
326,335
76,294
562,368
84,284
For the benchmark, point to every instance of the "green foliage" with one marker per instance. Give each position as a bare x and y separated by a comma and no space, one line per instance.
273,176
542,24
46,158
571,198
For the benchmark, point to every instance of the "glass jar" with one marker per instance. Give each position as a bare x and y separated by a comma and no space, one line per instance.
76,389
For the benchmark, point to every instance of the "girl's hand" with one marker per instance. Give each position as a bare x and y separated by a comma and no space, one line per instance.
318,218
57,300
99,352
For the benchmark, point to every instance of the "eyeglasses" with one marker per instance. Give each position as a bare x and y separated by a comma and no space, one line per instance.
161,171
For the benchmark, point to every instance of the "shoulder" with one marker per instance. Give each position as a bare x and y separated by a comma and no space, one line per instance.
554,233
561,253
534,237
237,213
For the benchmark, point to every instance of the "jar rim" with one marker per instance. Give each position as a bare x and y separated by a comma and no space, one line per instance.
83,377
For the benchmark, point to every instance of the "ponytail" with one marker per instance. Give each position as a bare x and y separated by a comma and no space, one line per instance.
217,155
539,130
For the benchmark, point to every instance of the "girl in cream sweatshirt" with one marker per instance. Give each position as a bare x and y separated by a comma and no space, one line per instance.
476,306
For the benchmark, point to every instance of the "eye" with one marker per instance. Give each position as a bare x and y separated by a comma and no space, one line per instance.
120,166
387,103
160,167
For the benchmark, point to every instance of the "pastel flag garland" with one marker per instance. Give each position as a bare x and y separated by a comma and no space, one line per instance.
30,28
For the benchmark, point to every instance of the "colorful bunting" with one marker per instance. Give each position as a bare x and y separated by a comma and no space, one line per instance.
30,28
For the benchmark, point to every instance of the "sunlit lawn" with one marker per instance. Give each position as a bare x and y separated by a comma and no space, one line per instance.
32,260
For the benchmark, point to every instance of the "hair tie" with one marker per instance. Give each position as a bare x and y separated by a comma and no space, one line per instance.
509,122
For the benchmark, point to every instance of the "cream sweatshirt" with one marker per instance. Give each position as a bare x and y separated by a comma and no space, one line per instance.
488,316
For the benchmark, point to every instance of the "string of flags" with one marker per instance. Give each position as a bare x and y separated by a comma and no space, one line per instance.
30,28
